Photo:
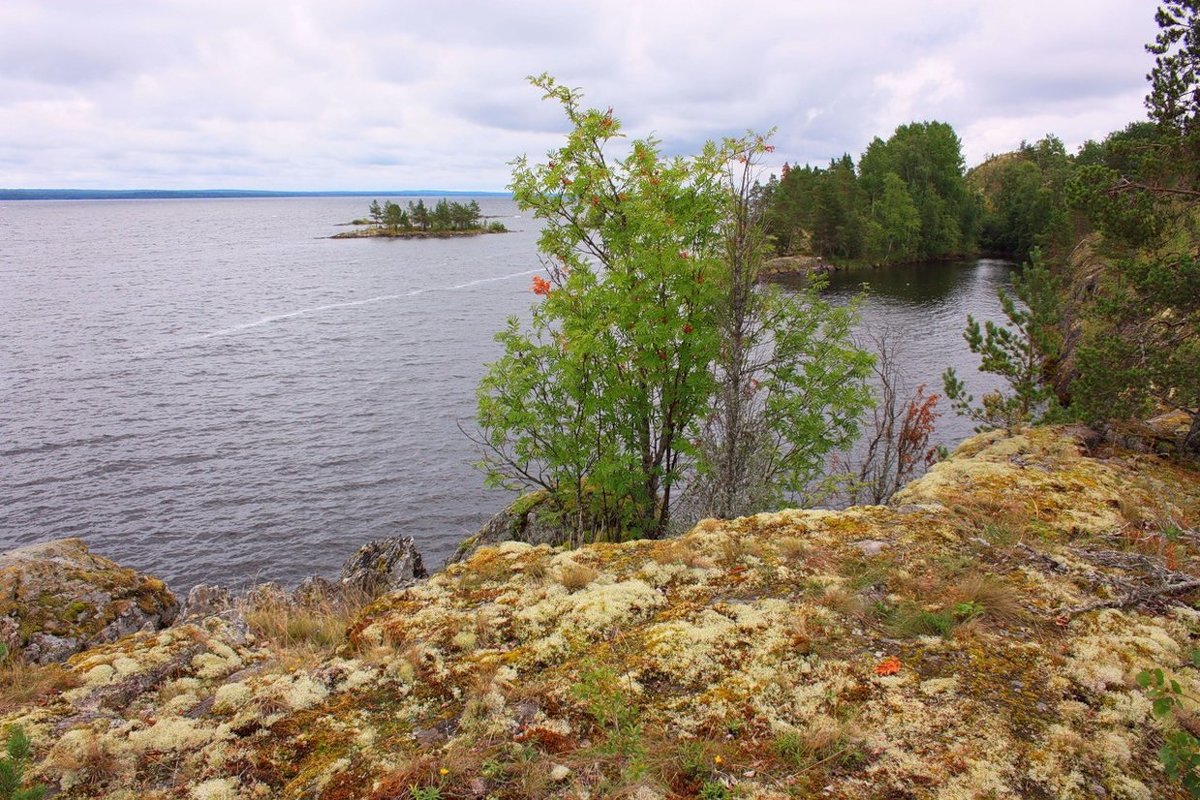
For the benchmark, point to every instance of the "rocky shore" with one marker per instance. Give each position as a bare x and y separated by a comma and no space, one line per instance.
978,637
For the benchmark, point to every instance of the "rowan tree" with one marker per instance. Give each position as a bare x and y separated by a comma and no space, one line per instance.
600,400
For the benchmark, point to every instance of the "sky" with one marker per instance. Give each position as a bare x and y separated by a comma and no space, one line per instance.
364,95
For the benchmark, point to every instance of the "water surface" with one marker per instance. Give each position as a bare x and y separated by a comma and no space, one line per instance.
209,390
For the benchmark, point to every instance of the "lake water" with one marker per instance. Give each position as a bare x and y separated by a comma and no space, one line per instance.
209,390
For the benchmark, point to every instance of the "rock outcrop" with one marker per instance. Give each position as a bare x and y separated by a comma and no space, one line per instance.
57,598
524,520
979,638
382,566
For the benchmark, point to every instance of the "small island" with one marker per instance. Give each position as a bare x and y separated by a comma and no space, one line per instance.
446,219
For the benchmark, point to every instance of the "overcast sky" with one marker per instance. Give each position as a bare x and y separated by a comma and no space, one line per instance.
357,94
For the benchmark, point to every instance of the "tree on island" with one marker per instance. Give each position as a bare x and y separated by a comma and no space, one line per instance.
419,214
445,216
395,217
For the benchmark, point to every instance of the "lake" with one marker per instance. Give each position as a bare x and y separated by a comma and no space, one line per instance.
211,391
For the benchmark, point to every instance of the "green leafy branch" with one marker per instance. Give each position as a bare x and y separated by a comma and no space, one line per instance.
1180,753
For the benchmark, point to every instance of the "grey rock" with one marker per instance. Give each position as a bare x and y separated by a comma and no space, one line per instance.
871,547
265,595
383,565
206,600
524,520
57,598
315,591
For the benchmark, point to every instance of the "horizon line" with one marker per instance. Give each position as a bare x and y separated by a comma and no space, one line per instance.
145,194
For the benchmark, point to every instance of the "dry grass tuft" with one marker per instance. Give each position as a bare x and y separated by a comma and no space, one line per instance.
824,741
24,684
576,576
792,548
844,602
681,551
94,760
303,633
536,568
992,598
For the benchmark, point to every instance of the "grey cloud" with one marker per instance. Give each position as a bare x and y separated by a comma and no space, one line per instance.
374,94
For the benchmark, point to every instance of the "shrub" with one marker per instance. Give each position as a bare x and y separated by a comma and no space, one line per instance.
18,751
1180,753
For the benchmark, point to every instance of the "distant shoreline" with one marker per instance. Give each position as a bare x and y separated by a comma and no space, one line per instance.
217,194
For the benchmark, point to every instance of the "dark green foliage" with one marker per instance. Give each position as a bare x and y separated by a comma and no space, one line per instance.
1140,346
927,156
908,199
1143,349
394,216
18,751
446,216
908,621
1025,199
1017,352
1174,99
1180,753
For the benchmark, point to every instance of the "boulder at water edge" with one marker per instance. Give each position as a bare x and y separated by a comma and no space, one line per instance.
57,599
383,566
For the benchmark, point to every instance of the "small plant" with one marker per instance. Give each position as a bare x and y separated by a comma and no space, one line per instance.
694,761
618,719
713,790
968,610
908,620
1180,753
792,748
425,793
18,751
609,705
1018,352
999,534
826,746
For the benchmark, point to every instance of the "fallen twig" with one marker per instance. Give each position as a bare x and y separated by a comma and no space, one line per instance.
1134,598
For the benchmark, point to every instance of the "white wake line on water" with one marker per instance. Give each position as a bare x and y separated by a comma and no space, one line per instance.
351,303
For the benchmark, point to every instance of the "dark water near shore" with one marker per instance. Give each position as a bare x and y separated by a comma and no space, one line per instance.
208,391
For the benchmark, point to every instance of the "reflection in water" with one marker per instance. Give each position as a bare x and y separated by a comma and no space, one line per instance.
924,307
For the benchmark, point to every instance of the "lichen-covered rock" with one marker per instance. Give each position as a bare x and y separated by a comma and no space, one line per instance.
981,639
383,565
526,520
57,598
206,600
